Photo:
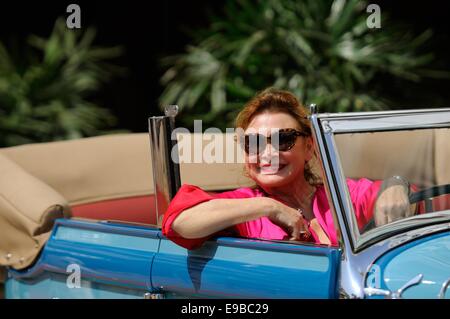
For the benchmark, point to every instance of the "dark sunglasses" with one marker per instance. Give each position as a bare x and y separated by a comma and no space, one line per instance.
254,144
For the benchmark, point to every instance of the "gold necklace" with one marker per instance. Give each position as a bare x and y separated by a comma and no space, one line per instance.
308,198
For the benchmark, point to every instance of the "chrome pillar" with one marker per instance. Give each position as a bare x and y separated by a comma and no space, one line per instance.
166,170
351,273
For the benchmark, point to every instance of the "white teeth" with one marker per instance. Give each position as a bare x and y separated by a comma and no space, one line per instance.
270,169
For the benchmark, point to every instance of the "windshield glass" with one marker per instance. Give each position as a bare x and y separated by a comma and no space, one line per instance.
396,180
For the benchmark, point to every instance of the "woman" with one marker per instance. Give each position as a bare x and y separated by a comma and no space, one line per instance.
289,202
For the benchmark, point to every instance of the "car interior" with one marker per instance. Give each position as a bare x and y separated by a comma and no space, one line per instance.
419,156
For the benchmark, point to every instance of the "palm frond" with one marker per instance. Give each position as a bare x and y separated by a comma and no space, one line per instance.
323,51
48,99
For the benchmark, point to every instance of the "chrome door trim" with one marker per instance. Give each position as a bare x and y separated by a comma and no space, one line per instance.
391,120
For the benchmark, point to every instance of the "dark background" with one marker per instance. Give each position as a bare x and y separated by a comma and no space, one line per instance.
151,30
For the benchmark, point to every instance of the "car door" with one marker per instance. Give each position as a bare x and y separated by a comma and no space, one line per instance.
244,268
228,267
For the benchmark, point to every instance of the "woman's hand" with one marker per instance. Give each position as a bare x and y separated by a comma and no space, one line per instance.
291,221
393,204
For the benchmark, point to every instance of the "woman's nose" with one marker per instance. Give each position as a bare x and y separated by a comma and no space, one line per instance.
269,155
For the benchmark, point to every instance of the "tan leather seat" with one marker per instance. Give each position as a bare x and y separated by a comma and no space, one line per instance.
90,169
442,156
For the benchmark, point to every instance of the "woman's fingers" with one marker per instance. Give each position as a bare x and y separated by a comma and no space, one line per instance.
300,231
292,222
380,216
399,211
392,205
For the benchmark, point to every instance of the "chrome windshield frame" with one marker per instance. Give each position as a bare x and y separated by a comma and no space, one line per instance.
357,255
386,121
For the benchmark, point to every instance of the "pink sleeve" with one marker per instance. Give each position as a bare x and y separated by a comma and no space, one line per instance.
187,197
363,193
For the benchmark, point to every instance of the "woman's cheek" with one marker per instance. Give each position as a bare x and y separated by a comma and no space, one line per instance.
251,170
250,160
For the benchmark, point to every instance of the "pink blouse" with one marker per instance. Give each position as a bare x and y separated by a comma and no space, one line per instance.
363,193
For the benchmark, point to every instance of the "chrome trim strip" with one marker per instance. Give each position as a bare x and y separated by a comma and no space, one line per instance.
350,278
326,173
444,289
402,122
375,114
166,172
342,195
402,225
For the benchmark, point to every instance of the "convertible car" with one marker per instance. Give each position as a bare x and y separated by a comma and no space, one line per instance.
82,218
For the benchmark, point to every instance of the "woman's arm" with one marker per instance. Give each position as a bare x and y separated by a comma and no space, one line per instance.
215,215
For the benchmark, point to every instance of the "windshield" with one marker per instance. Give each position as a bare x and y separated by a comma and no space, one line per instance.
396,180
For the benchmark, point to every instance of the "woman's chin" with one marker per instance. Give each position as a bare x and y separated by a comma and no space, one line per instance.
273,177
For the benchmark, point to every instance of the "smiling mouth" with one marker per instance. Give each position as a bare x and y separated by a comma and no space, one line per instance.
269,170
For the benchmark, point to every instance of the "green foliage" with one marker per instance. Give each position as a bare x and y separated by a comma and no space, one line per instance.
45,97
322,51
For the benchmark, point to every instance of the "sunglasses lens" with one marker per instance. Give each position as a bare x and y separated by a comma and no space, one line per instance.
253,144
282,141
286,140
